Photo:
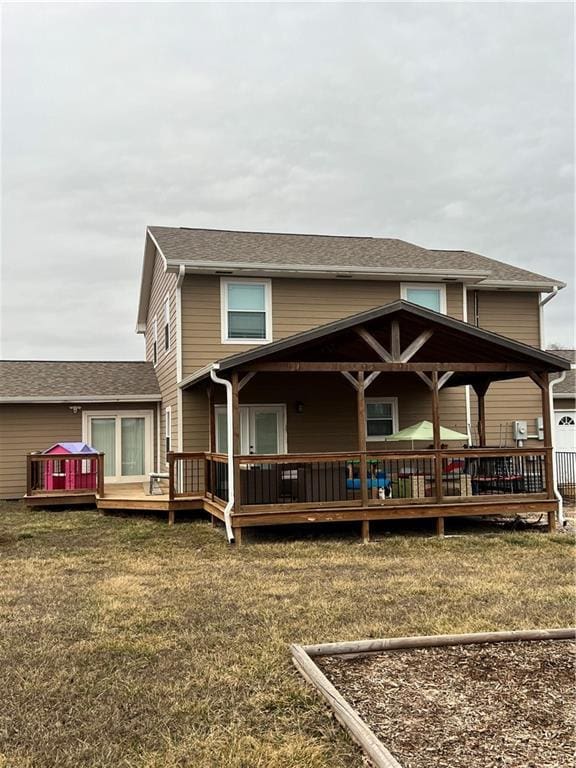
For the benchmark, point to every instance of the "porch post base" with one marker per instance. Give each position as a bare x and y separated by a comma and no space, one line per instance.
171,516
365,531
237,536
440,526
551,522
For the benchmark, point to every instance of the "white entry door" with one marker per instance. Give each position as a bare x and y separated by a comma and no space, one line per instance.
125,438
565,430
262,429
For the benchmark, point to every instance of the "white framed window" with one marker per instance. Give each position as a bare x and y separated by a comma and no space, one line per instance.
167,324
246,311
168,429
381,417
428,295
154,341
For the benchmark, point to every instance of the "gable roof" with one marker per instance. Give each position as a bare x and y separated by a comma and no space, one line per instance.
568,386
24,381
316,340
375,255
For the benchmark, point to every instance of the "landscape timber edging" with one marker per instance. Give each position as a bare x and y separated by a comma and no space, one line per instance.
303,659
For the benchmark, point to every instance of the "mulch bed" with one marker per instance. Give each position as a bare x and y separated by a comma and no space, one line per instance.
497,705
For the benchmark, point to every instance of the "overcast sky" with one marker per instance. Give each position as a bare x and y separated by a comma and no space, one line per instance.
448,125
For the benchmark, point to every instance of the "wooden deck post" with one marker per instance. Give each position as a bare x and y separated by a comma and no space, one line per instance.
437,438
236,440
28,474
100,481
361,408
440,526
170,460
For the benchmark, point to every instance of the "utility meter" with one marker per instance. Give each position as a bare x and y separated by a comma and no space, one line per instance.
520,430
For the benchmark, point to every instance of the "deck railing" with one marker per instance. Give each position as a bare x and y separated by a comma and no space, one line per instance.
566,473
357,479
66,474
405,477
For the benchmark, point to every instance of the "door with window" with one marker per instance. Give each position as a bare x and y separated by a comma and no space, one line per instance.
125,438
262,429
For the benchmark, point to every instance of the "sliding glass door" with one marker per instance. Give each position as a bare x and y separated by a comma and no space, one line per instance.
125,438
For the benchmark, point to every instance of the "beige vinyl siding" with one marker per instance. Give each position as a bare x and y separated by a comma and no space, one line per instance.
297,305
516,315
164,284
27,428
329,418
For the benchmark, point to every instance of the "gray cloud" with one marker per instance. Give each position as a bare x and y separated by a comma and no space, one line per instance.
448,125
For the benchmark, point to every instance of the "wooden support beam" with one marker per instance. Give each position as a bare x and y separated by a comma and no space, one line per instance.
171,516
295,366
440,526
352,379
380,350
100,490
245,379
547,429
370,378
171,475
237,533
444,378
551,522
395,339
236,439
480,388
211,419
365,531
361,408
437,438
417,344
425,378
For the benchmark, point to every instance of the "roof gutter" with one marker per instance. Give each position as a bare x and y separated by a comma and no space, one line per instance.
541,305
39,399
230,436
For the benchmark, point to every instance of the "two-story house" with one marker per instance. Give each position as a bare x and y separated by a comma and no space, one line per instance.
285,365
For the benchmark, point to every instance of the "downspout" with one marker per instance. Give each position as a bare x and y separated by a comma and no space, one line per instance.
179,396
230,435
468,411
557,493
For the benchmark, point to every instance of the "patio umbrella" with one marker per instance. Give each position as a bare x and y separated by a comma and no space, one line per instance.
424,430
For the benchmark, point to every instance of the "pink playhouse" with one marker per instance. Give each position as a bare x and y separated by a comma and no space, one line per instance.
70,474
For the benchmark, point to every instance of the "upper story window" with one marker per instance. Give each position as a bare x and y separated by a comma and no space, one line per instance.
167,324
154,341
246,311
431,296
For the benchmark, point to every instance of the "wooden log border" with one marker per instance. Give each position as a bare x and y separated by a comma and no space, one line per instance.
347,716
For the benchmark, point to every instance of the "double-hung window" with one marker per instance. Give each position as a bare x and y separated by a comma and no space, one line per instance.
154,341
246,311
429,295
381,417
167,324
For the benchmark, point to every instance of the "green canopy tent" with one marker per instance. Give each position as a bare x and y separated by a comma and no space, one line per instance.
424,430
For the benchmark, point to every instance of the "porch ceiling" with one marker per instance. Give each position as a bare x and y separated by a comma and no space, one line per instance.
472,353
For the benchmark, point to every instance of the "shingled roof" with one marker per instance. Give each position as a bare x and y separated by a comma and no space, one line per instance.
568,386
63,381
210,247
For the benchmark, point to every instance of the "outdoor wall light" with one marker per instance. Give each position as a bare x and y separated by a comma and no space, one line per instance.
299,406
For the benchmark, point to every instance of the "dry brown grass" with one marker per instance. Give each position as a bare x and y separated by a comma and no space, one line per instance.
126,643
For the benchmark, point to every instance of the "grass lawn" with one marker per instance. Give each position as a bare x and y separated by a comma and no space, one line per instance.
124,642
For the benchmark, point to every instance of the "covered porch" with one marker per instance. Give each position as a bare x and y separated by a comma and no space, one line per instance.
346,474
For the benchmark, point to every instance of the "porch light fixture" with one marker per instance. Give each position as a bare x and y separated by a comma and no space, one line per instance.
75,408
299,406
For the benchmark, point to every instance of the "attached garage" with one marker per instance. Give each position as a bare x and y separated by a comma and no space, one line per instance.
110,405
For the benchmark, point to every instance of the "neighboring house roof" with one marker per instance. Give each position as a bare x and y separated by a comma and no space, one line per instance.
566,388
62,381
438,349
